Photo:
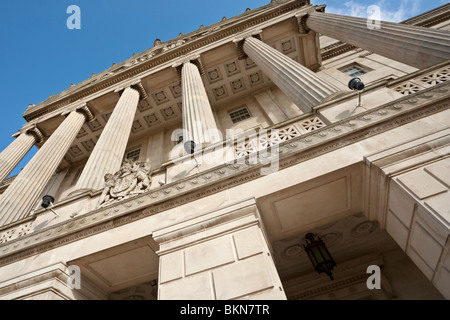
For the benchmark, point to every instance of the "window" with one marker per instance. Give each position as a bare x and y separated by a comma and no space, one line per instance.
354,70
133,155
240,115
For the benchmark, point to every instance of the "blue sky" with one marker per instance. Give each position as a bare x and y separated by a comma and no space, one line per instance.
42,57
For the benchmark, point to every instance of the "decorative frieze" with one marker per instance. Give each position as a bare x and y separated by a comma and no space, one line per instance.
423,81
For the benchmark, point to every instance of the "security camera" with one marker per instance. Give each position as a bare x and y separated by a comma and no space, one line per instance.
46,201
189,146
356,84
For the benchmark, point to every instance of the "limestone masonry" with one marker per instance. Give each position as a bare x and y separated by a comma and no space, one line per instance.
195,169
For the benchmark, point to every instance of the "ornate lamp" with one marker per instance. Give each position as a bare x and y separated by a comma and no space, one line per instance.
319,255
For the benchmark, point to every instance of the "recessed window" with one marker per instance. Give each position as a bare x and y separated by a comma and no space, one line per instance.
240,115
133,155
354,70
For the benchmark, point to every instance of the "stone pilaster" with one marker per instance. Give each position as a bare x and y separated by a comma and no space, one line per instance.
14,153
17,201
108,153
198,118
415,46
221,255
299,83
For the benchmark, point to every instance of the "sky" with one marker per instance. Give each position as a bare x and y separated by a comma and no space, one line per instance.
41,56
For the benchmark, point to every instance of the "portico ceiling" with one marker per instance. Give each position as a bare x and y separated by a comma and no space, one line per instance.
330,206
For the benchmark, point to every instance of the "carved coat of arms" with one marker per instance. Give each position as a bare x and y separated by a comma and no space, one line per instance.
132,178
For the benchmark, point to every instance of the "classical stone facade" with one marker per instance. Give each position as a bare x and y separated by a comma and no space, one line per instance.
194,170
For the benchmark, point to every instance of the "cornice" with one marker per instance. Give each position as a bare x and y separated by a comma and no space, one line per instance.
207,36
431,18
217,179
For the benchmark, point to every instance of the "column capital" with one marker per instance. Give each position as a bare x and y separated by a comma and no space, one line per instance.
257,33
32,129
82,108
136,85
86,112
303,15
38,135
301,20
194,59
240,39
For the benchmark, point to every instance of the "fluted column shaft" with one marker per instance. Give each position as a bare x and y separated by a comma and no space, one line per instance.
14,153
299,83
19,198
108,153
198,118
419,47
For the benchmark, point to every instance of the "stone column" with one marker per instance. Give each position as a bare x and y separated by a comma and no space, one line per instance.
419,47
299,83
198,118
14,153
108,153
17,201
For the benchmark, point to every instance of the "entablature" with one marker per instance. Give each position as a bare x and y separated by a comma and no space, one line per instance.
164,53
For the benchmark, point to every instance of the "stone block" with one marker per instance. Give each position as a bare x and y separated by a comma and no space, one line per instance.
208,255
397,230
421,184
242,278
196,287
171,266
440,171
401,204
423,243
248,242
439,205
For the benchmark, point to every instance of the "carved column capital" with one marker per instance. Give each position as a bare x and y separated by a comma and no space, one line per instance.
140,88
301,20
194,59
31,129
303,15
136,85
86,112
240,40
37,134
82,108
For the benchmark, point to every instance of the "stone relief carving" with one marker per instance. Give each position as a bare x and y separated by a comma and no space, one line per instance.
132,178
